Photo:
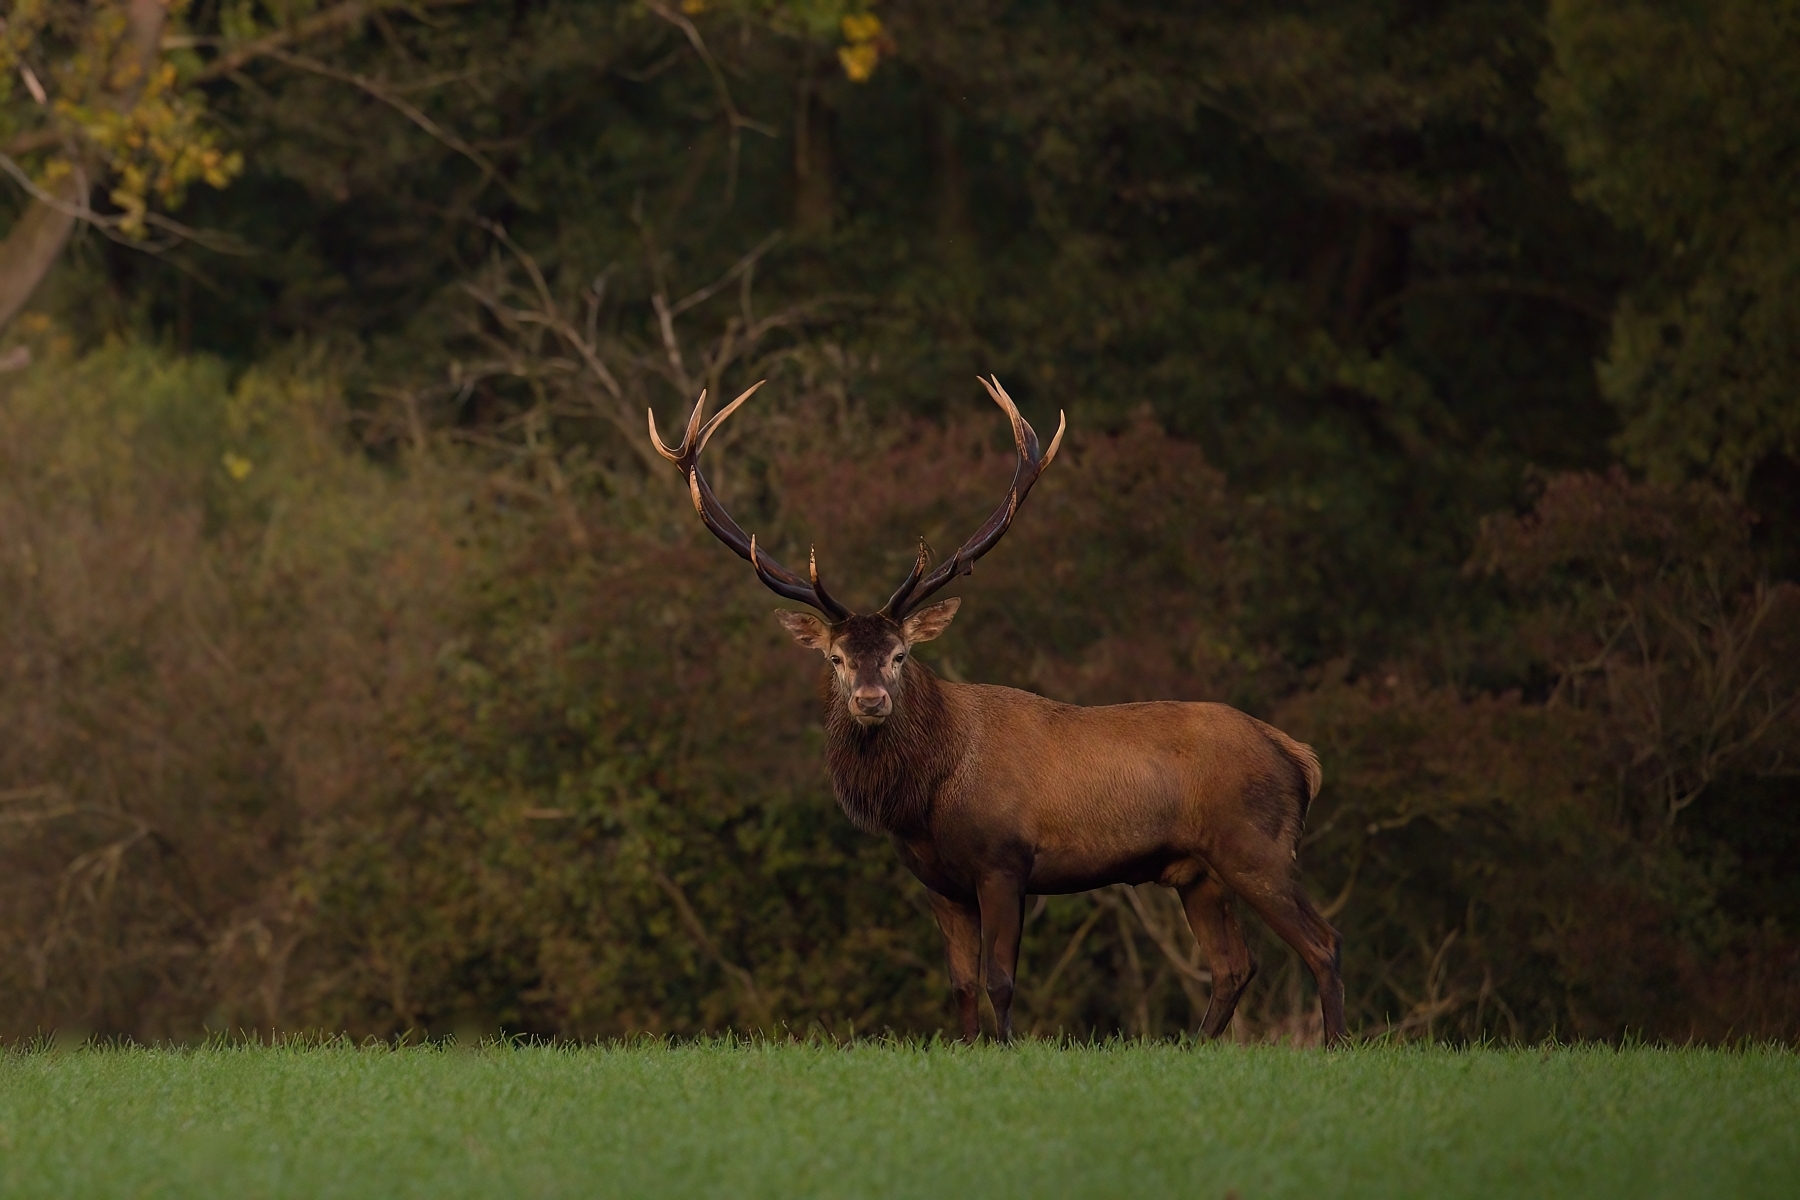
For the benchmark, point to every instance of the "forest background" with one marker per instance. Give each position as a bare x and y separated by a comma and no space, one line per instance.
1433,376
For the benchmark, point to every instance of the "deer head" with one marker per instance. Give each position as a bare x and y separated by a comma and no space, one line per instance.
867,653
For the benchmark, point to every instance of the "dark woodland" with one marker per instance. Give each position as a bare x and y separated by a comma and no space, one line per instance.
1432,376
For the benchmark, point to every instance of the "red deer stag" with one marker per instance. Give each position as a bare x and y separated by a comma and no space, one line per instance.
990,794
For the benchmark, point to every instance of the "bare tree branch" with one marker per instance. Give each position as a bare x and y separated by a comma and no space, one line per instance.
742,977
235,55
1044,989
77,209
411,112
738,269
735,121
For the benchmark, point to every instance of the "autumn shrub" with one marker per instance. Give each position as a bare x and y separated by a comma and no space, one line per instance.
478,729
209,606
1521,865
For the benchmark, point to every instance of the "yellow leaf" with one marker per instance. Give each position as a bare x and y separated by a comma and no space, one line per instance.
859,61
860,27
236,466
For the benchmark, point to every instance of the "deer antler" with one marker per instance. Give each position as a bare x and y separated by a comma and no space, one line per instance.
918,586
686,456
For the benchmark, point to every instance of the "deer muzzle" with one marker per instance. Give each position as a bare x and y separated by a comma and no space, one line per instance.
871,705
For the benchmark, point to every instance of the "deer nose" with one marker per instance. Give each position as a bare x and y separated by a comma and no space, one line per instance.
871,702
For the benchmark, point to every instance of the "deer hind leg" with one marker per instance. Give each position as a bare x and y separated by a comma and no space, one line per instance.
1002,921
1212,914
1287,909
961,926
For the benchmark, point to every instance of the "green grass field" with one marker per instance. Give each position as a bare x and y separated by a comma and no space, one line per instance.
797,1120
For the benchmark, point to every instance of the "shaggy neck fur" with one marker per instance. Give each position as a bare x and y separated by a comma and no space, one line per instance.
885,776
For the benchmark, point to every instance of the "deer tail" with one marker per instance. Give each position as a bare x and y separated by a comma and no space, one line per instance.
1304,758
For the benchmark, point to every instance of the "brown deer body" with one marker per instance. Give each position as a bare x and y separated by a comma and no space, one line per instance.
990,794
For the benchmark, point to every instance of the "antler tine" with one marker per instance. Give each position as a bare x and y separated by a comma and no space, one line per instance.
1062,425
691,445
772,574
897,601
707,432
1023,433
1031,464
686,456
675,454
818,586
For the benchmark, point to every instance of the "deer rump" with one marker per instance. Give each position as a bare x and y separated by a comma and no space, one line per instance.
990,793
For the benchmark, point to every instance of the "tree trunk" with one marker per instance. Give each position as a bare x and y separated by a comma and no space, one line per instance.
950,184
815,182
32,247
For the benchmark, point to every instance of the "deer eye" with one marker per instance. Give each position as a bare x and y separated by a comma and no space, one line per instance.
837,660
900,658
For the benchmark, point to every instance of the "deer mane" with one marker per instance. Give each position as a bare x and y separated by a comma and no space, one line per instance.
885,775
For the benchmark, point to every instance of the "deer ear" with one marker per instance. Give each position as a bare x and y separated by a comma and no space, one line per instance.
804,628
931,621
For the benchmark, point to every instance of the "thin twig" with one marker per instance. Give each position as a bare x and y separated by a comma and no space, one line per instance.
111,225
411,112
734,119
745,264
692,920
239,54
1068,955
1161,937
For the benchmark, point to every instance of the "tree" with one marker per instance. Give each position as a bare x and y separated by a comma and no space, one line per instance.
1678,122
90,96
116,95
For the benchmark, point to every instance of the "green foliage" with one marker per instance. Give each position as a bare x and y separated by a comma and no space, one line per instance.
100,96
1677,119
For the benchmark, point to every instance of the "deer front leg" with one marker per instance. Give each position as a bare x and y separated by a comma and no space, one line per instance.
961,927
1002,902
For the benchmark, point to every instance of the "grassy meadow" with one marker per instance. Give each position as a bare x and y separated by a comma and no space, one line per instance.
721,1119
